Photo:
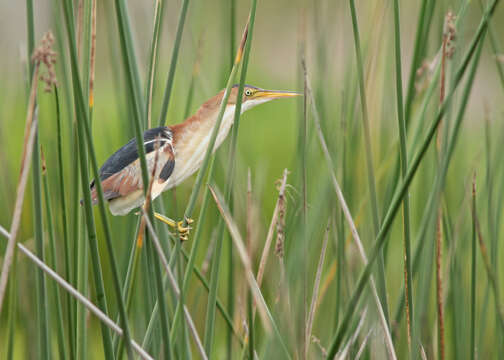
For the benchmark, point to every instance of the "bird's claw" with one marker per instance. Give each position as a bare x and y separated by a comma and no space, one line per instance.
182,226
184,230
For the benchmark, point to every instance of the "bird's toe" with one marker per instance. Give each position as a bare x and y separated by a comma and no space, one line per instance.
183,230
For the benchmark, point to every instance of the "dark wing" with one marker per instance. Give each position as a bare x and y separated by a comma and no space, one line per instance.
121,173
167,169
129,153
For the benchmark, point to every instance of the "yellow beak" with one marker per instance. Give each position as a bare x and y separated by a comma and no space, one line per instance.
274,94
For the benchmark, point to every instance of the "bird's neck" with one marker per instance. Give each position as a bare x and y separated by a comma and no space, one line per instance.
198,128
192,137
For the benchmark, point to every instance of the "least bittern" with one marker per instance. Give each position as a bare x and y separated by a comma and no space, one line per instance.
180,150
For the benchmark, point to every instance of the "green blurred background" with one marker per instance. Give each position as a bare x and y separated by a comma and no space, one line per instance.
268,143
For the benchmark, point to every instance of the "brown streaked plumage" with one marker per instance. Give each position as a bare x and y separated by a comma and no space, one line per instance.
181,150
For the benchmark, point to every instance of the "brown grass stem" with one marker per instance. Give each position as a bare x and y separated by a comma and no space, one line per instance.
271,230
30,131
448,36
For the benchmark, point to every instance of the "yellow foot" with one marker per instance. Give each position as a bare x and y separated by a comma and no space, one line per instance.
179,225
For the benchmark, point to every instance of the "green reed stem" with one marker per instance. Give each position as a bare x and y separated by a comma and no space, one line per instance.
415,62
12,309
231,161
230,260
303,151
250,315
41,298
212,297
158,13
173,63
472,340
63,209
42,302
73,209
408,279
82,269
382,287
52,263
127,292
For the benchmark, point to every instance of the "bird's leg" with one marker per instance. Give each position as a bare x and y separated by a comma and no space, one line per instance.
179,225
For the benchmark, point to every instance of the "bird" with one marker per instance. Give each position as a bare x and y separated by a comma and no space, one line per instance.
173,153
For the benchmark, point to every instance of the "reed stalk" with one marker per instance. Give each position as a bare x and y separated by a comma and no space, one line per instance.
408,278
382,287
173,63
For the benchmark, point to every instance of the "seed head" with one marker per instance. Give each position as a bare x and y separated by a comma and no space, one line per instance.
44,54
449,34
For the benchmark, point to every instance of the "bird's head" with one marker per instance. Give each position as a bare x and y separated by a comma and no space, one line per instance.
253,96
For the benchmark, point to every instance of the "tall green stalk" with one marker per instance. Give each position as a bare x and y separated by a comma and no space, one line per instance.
214,277
231,166
250,316
202,215
158,14
68,213
408,279
81,274
42,302
52,251
232,149
382,287
472,340
12,309
173,63
41,298
415,61
63,209
304,215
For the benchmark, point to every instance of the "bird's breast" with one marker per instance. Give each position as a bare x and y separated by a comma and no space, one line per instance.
192,144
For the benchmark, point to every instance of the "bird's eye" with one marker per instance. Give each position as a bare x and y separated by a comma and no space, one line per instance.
248,92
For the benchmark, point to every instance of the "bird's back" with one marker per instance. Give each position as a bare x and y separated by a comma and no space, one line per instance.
129,152
120,175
